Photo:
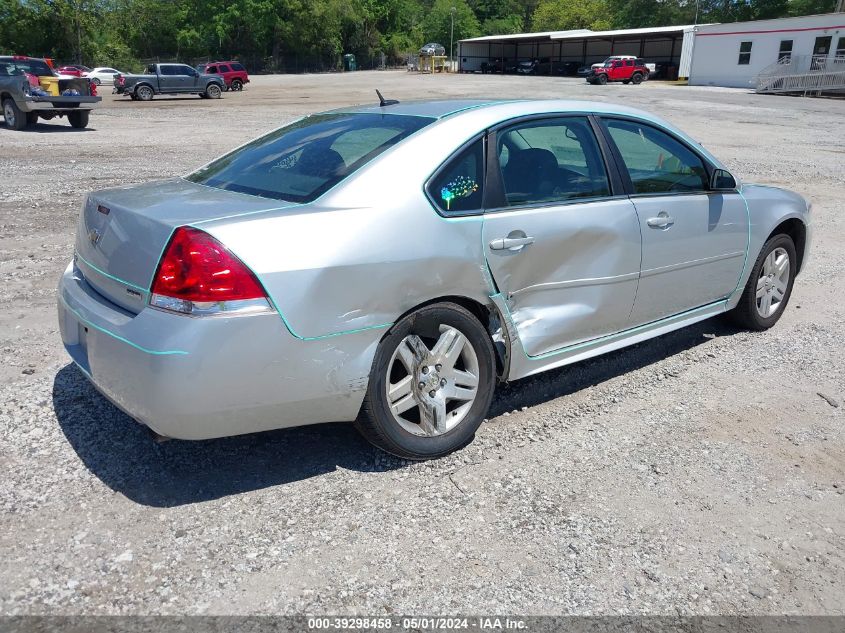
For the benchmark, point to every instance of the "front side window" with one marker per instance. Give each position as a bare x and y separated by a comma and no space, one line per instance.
656,162
744,53
301,161
212,70
458,187
551,160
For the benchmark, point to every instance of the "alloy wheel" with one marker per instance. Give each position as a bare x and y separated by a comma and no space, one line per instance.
772,282
431,389
9,114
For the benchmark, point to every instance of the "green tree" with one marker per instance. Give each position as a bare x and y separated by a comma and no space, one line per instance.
564,15
438,21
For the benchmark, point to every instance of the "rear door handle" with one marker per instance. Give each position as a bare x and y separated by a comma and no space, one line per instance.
662,221
510,243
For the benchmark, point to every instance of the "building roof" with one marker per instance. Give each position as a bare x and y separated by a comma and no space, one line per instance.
578,34
654,30
527,36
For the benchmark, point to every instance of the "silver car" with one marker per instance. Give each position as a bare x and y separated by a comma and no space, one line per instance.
390,264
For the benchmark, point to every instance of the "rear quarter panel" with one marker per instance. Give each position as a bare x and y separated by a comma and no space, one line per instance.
369,250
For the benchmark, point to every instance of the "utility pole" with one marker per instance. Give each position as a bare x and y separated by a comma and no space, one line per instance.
840,7
452,38
696,11
78,33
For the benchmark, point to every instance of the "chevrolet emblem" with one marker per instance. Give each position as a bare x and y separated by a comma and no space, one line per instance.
94,236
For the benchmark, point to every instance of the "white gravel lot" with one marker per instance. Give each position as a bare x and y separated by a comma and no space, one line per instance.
699,473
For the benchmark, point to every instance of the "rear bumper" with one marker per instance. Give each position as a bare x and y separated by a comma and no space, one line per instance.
66,104
200,378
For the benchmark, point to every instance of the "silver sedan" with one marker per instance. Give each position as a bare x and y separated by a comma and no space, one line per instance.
389,264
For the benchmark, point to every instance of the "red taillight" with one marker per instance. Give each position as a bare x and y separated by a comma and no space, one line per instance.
197,269
92,88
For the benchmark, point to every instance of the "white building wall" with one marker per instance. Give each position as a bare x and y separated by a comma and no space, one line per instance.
715,54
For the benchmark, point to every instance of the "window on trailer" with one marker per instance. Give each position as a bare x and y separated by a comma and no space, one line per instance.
839,58
744,53
785,52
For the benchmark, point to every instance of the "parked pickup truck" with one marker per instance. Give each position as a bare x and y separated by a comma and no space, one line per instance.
167,79
630,70
29,90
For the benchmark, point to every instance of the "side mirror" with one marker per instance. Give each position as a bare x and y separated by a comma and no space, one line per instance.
722,181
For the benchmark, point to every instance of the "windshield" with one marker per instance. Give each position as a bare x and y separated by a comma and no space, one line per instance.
303,160
20,66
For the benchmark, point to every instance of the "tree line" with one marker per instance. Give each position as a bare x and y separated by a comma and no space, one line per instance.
308,35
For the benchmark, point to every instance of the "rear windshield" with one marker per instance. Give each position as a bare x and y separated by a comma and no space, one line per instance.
20,66
301,161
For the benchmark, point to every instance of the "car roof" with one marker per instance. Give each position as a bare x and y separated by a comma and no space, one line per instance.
509,108
481,114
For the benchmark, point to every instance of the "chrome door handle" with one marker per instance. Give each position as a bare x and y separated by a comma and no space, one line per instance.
511,243
662,221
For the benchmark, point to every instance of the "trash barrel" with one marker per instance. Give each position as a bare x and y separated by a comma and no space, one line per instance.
349,62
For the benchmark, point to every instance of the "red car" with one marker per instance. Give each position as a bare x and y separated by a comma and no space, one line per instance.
233,73
625,70
75,70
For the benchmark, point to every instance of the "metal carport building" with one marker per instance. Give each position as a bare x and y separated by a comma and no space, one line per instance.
670,47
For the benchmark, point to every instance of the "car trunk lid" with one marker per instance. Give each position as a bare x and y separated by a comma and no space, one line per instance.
122,232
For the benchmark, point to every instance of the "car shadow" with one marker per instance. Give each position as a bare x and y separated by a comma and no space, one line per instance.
125,456
57,128
564,381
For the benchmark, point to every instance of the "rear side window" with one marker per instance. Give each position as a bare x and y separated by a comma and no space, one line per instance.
301,161
20,66
223,68
551,160
458,188
237,67
656,162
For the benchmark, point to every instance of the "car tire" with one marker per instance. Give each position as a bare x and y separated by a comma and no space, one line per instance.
79,119
13,116
144,93
96,81
637,79
213,91
601,79
410,408
769,286
237,85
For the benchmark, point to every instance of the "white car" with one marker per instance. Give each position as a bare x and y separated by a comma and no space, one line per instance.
103,75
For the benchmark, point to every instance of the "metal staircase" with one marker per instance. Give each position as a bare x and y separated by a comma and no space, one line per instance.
806,74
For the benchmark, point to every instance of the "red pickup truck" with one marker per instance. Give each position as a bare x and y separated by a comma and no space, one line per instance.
625,70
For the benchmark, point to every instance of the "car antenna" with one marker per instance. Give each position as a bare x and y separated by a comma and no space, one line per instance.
385,102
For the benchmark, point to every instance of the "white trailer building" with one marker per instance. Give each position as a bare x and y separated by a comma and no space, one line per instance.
735,54
789,54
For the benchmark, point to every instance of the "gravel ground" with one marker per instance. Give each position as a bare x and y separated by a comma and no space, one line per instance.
699,473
